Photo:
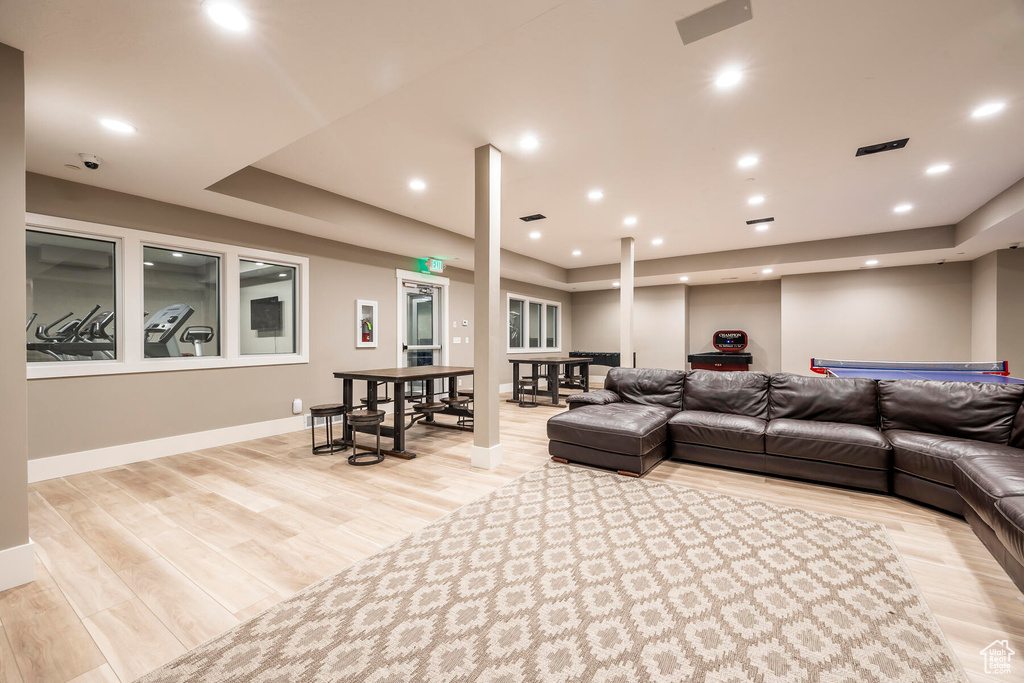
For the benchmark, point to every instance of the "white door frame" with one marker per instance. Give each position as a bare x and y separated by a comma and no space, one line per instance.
424,279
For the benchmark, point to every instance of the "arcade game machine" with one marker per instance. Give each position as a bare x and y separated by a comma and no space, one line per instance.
728,356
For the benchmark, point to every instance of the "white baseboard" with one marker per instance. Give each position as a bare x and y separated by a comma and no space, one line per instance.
55,466
485,457
17,565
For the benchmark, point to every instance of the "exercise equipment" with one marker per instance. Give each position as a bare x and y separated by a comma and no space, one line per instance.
197,335
92,338
160,330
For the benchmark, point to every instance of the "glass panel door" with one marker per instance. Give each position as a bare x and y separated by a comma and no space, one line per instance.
422,322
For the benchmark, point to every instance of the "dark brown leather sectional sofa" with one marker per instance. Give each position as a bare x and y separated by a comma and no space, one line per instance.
957,446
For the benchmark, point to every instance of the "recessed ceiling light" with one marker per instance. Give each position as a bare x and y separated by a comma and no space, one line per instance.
748,161
615,284
417,185
576,252
147,263
595,195
684,279
535,235
657,241
118,126
177,254
936,169
766,271
756,200
629,221
871,262
988,109
728,78
529,142
763,227
226,14
902,208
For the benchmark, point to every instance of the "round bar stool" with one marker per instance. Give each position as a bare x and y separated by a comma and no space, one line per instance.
524,384
365,418
328,411
466,421
429,408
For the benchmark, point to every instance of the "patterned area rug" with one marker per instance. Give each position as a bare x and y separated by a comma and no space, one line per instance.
567,574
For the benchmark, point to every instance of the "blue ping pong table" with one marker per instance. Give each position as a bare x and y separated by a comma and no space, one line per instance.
995,372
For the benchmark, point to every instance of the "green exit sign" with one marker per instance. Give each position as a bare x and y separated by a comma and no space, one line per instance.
434,265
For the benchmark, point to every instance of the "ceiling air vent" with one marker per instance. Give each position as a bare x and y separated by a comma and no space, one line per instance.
770,219
882,147
533,217
714,19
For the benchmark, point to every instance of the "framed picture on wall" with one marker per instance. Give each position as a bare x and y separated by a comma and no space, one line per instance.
366,324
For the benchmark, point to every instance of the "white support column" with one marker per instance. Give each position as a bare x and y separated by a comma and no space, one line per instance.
490,328
17,561
626,304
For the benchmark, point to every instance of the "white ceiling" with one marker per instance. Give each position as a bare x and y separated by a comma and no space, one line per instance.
358,98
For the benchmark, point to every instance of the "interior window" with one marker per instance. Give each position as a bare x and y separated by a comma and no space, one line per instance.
551,329
181,296
515,323
535,312
267,310
70,295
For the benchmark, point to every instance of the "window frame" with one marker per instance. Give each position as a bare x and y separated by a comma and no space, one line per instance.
129,244
544,303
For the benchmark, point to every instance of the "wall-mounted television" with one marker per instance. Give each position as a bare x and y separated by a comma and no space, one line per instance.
266,315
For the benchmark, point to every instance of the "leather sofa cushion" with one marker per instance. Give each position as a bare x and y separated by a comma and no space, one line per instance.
650,386
837,442
627,428
825,399
968,410
739,393
931,456
721,430
1017,434
1009,526
600,397
981,480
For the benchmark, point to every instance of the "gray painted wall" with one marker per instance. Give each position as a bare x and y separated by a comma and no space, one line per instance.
13,461
1010,309
913,313
754,307
116,409
984,280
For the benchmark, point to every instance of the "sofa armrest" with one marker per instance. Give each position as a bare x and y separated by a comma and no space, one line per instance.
599,397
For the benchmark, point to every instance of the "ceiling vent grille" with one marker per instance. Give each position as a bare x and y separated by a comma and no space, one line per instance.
533,217
882,147
714,19
770,219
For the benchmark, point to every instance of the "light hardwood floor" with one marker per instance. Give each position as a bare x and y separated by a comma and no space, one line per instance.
137,564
